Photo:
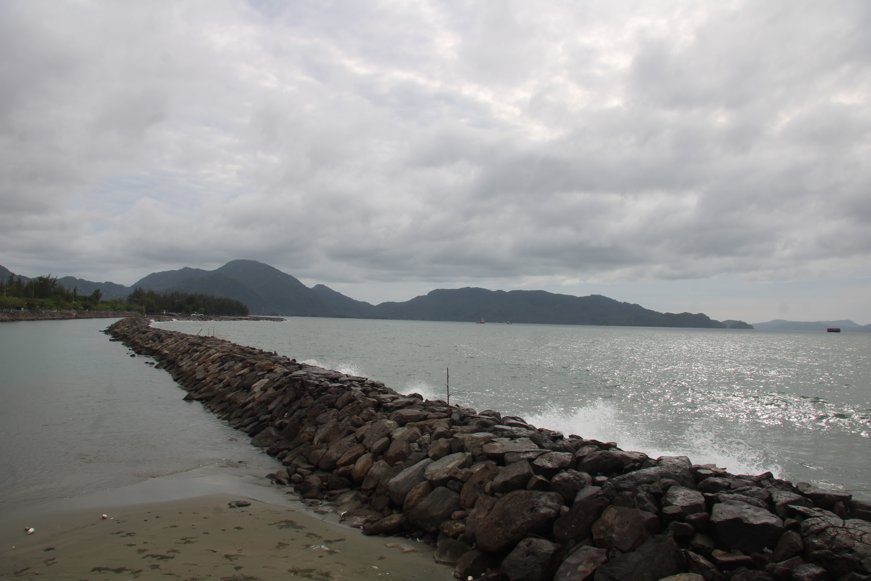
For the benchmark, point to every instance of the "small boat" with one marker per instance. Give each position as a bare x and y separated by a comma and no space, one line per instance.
833,330
481,322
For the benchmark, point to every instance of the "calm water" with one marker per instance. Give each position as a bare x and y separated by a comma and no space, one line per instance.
797,404
80,417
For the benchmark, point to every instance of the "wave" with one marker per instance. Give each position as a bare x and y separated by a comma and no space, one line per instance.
602,421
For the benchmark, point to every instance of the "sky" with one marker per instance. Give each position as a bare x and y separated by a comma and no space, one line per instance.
686,156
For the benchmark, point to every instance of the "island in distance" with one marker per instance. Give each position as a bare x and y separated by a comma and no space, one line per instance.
266,290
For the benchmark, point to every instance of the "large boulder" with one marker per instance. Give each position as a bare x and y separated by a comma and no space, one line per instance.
531,560
624,528
516,515
659,557
435,508
581,564
745,527
577,523
841,546
399,485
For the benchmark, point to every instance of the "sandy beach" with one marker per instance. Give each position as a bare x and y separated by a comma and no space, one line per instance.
206,537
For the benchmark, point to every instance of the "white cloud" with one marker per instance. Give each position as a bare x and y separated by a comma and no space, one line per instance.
392,147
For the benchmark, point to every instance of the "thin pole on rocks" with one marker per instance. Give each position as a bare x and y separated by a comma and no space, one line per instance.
448,383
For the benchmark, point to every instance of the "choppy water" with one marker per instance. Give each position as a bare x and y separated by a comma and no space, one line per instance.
79,416
797,404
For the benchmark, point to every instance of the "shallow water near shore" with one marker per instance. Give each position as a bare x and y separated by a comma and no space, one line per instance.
795,404
82,419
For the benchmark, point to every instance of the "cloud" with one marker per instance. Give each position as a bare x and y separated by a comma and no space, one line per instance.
406,146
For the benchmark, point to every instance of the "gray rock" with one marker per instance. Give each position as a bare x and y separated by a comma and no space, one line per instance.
399,486
685,500
531,559
581,564
516,515
745,527
609,461
676,468
446,468
550,463
389,525
809,572
498,447
480,475
841,546
512,477
784,499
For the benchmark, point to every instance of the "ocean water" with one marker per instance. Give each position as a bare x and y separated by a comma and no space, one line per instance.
81,419
795,404
84,424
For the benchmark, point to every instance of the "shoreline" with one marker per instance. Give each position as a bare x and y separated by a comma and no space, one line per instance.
203,537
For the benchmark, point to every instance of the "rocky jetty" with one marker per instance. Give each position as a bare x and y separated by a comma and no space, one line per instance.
502,499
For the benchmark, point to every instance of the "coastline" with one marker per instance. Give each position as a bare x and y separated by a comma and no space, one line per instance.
203,537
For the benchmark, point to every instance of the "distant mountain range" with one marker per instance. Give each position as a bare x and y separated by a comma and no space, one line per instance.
268,291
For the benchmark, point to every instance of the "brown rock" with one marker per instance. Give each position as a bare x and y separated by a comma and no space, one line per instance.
447,467
581,564
512,477
532,559
577,523
624,528
745,527
480,475
435,508
399,486
515,516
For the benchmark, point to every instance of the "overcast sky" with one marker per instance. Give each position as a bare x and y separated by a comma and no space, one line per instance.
687,156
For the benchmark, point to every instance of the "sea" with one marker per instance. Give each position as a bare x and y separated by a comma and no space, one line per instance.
82,418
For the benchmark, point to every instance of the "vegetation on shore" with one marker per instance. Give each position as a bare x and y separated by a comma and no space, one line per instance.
45,293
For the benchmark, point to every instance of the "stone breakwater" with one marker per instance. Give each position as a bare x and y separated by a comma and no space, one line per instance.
502,499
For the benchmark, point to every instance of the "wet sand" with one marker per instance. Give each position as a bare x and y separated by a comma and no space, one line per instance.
204,538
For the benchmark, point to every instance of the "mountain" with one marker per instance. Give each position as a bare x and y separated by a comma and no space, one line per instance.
474,304
266,290
5,273
782,325
108,290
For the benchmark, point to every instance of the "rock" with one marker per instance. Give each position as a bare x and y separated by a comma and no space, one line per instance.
581,564
389,525
841,546
448,467
659,557
531,560
677,468
449,550
436,507
684,577
407,415
569,482
789,545
439,448
730,560
399,486
745,527
685,501
361,467
375,431
551,463
809,572
783,500
609,461
577,523
701,566
418,492
474,443
498,447
624,528
516,515
823,498
481,474
512,477
473,564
